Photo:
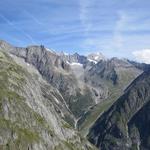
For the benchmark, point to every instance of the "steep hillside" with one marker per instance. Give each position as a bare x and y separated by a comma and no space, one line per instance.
82,81
57,72
126,124
32,111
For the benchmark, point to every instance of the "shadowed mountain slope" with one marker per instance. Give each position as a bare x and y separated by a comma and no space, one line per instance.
126,124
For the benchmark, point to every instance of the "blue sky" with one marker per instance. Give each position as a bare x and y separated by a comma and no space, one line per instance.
113,27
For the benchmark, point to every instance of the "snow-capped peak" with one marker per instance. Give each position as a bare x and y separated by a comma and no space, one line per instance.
91,60
76,64
95,57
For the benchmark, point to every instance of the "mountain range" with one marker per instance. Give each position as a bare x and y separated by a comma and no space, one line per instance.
51,100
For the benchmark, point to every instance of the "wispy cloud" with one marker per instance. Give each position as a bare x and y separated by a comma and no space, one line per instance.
33,17
84,14
10,23
121,24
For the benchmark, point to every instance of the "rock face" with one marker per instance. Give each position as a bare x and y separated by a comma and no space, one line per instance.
44,94
126,124
81,82
32,111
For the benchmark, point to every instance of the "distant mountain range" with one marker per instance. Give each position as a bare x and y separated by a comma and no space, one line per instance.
47,96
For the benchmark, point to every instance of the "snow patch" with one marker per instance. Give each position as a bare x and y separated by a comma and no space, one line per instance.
66,54
56,100
76,64
92,61
68,62
52,51
96,57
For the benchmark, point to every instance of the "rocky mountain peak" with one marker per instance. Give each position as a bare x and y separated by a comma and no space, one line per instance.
116,62
96,57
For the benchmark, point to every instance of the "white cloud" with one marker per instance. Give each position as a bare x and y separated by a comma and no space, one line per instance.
142,55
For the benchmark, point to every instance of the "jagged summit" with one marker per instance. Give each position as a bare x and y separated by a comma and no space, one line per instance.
96,57
71,58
